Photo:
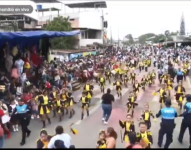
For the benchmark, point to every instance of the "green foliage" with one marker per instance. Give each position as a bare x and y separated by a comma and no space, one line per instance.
144,37
13,26
158,38
61,24
129,41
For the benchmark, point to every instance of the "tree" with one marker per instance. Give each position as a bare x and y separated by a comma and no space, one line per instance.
61,24
11,26
129,40
125,43
144,37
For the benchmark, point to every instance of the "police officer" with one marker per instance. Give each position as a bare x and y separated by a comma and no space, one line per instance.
167,124
186,123
23,113
180,75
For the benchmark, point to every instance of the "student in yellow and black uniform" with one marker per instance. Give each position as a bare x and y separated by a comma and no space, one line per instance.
136,87
108,75
70,100
140,65
102,83
43,141
89,91
52,98
125,80
163,95
179,96
146,116
143,82
118,85
149,62
169,82
133,76
127,69
153,75
65,104
121,74
149,79
144,137
85,105
165,78
180,90
129,127
59,106
46,96
185,69
43,108
145,65
101,143
131,102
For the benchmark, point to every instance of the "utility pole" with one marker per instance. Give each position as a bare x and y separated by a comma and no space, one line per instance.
103,27
111,38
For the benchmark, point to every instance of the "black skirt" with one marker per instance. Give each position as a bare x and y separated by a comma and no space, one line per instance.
14,119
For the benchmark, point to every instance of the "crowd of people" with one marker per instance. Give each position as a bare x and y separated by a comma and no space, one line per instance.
34,88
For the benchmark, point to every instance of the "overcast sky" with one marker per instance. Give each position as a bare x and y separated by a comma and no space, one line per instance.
137,17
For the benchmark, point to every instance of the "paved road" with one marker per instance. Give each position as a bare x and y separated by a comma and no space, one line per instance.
89,132
89,127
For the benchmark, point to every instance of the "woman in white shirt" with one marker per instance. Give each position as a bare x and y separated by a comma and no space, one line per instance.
60,135
13,119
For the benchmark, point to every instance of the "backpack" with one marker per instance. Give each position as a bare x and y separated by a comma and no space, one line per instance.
1,131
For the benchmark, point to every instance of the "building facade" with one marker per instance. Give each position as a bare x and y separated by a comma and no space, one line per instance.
89,22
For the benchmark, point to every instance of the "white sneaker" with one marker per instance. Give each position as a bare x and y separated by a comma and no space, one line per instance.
14,129
32,117
17,128
105,122
103,119
38,116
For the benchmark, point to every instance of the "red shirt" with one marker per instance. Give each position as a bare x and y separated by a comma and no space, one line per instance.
1,113
35,59
115,66
27,97
48,85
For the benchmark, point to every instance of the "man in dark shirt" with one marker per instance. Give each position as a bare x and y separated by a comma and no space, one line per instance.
107,100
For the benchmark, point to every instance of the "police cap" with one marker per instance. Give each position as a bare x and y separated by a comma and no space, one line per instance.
168,102
188,97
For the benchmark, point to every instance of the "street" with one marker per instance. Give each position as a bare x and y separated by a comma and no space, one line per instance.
90,127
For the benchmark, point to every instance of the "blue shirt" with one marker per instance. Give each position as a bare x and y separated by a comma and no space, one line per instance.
187,107
22,109
169,113
180,73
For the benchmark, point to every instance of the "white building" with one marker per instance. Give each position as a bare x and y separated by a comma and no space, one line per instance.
24,21
90,22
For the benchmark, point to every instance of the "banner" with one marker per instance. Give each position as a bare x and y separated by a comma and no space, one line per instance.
86,53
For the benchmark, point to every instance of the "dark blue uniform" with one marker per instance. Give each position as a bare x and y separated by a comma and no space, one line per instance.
168,115
23,114
186,122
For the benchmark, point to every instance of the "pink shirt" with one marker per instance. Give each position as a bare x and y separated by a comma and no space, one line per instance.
15,73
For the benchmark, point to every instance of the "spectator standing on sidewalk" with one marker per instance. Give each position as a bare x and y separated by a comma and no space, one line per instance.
107,100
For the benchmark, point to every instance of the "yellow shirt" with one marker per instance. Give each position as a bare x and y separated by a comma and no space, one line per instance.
45,100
